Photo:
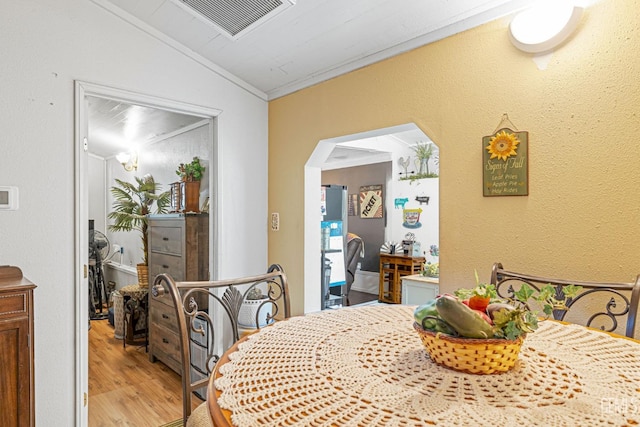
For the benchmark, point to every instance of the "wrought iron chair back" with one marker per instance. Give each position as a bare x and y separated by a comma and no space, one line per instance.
223,308
604,305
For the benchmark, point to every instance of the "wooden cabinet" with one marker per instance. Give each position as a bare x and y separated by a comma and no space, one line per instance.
392,268
178,246
418,289
16,349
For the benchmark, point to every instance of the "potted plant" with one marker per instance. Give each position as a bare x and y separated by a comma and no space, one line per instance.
254,303
132,203
424,152
191,171
189,188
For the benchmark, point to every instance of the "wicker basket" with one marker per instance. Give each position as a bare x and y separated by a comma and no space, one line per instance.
474,356
143,275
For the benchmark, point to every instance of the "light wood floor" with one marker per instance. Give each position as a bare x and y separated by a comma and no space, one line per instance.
357,297
125,389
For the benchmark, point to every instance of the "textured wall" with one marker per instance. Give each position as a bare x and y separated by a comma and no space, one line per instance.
580,219
46,46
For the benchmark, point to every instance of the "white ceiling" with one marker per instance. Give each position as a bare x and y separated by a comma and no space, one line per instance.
314,40
309,42
116,127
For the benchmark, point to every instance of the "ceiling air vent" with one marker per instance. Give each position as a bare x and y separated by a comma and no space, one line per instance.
234,18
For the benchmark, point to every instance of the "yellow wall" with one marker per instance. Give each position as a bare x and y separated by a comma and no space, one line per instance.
582,216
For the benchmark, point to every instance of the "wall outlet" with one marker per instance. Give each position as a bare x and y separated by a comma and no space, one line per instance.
275,221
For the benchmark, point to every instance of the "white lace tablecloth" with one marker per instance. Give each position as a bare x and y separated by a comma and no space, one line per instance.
366,366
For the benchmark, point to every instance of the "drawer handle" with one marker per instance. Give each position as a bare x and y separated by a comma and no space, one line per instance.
166,239
164,316
164,340
165,266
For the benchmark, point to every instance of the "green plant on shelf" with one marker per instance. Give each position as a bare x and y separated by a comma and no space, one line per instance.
192,171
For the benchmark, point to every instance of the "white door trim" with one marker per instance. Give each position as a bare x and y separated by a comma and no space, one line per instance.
82,90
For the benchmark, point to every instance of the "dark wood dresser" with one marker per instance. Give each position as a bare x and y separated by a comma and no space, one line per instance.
178,246
17,392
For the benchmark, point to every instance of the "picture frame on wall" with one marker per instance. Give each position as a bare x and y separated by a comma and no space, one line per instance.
505,163
371,202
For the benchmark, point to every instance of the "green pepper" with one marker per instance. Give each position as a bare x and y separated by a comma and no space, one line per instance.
434,322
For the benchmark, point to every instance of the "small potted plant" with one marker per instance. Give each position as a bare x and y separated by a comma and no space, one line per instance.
186,193
424,151
191,171
255,302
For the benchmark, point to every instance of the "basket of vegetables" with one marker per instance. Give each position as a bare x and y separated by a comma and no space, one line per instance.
477,332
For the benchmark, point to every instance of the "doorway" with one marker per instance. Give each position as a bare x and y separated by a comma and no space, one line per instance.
377,146
84,92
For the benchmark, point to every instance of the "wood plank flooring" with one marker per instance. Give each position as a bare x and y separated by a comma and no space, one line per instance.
357,297
125,389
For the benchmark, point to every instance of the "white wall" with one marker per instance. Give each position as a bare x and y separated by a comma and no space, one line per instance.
46,46
160,159
429,232
97,192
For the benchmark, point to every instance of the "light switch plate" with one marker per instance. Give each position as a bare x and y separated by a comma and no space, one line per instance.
8,198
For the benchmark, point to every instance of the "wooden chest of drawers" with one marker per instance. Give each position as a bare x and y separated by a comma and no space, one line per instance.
178,246
16,349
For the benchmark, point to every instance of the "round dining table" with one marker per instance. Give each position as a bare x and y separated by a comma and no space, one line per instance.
366,366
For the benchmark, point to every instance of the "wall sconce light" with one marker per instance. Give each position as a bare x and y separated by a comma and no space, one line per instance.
129,161
544,26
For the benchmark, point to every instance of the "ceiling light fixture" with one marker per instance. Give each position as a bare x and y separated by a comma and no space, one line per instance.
544,26
129,161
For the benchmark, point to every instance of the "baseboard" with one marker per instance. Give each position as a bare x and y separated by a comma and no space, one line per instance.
120,267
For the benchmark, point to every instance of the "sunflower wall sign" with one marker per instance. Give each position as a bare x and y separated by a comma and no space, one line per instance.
505,164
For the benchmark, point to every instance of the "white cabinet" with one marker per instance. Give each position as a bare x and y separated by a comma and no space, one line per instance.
417,289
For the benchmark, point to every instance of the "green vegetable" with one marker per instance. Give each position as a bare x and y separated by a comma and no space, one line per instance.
427,316
510,324
462,319
497,306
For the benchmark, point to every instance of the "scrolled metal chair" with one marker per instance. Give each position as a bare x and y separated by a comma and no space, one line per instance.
603,305
206,307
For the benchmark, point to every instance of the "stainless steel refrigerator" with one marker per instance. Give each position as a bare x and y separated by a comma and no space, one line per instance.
333,229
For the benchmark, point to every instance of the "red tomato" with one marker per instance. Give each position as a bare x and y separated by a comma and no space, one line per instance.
479,303
484,316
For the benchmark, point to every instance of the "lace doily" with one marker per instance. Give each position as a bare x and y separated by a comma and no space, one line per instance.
366,366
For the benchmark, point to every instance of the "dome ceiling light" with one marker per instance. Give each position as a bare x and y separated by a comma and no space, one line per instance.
544,26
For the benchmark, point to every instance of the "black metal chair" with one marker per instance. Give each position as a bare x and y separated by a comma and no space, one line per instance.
223,309
611,307
354,255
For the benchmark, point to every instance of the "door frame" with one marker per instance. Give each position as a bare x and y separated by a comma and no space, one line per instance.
81,245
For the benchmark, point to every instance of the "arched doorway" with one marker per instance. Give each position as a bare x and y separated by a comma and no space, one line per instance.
381,145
